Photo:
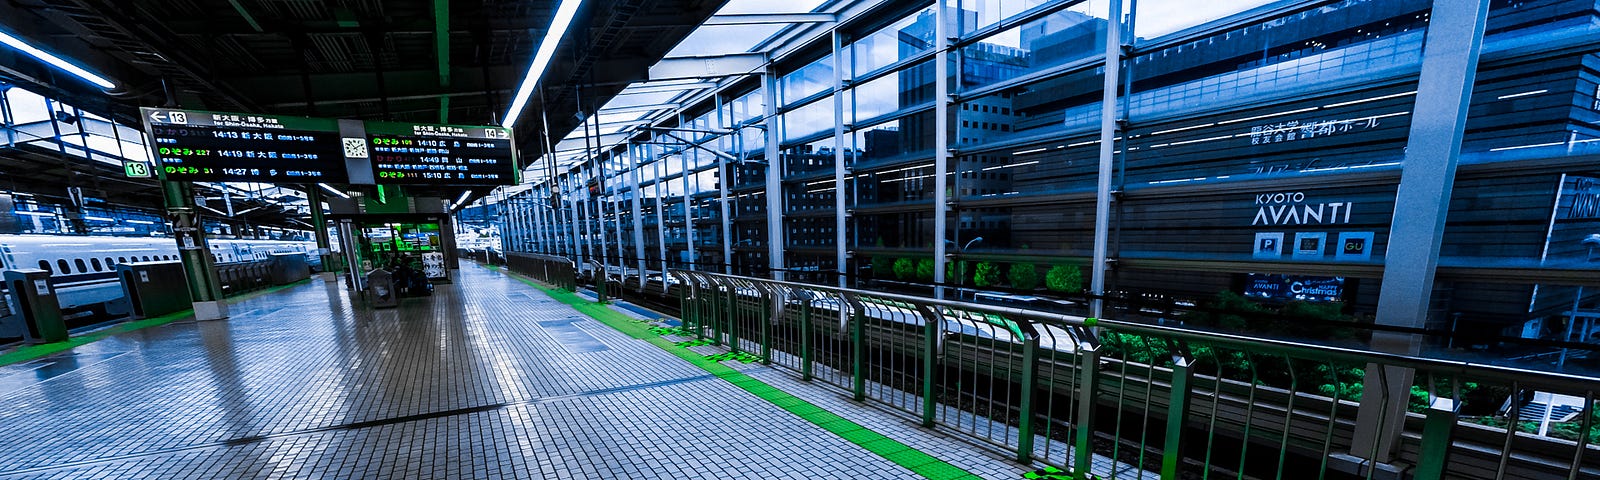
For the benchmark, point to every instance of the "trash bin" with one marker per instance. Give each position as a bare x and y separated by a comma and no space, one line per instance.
36,303
380,286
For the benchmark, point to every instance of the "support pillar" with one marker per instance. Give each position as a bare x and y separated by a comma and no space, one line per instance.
775,236
205,288
941,142
1108,135
688,200
840,215
320,232
724,176
638,218
1444,89
661,205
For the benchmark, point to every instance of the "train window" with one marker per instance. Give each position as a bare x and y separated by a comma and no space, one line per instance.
109,263
122,259
45,265
81,267
64,268
146,258
95,262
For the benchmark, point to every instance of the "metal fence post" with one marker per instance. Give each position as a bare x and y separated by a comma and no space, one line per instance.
719,309
733,317
769,301
858,350
704,312
1177,410
1437,433
690,292
1030,355
805,338
1089,380
685,301
933,323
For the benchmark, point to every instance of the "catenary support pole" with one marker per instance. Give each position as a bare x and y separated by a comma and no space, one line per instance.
1101,267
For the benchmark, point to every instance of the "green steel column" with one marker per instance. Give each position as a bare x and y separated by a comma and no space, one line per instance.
205,288
767,305
1030,355
1089,383
1437,433
805,340
733,318
314,197
932,322
858,351
1177,415
690,298
718,310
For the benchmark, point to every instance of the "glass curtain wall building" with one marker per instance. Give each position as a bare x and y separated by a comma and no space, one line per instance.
1257,149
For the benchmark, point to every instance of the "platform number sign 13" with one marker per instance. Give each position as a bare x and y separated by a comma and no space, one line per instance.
136,169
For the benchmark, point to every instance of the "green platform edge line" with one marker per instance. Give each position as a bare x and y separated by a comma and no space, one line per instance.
30,353
901,454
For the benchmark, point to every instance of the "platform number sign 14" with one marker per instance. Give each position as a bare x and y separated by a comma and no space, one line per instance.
136,169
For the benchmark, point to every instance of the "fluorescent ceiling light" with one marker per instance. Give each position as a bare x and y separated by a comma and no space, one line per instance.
463,197
541,58
333,190
58,62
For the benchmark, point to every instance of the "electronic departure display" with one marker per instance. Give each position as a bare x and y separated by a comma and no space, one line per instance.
201,146
412,154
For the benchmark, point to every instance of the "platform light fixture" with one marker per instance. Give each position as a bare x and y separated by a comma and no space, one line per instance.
55,61
541,58
461,199
332,190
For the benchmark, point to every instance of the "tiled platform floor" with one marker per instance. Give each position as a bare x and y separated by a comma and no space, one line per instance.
486,379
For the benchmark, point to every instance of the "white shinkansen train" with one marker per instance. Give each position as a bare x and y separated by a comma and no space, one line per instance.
83,268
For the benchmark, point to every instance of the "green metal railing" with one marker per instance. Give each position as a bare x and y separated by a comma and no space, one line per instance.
1124,400
559,271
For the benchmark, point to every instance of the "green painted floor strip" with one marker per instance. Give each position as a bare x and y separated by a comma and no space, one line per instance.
901,454
28,353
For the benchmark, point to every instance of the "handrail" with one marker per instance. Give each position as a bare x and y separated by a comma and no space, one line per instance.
985,372
1499,372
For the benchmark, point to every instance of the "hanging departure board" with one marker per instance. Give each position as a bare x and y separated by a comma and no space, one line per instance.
202,146
413,154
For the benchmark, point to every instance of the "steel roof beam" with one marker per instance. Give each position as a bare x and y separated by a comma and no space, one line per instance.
716,66
770,18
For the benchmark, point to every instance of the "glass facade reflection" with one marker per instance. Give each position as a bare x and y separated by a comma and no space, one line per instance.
1257,152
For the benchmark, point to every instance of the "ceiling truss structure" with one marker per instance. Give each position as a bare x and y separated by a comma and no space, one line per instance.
425,61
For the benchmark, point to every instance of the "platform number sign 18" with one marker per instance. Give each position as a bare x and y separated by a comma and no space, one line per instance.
136,169
355,148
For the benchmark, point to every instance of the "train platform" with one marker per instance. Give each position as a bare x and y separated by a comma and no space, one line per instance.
491,377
